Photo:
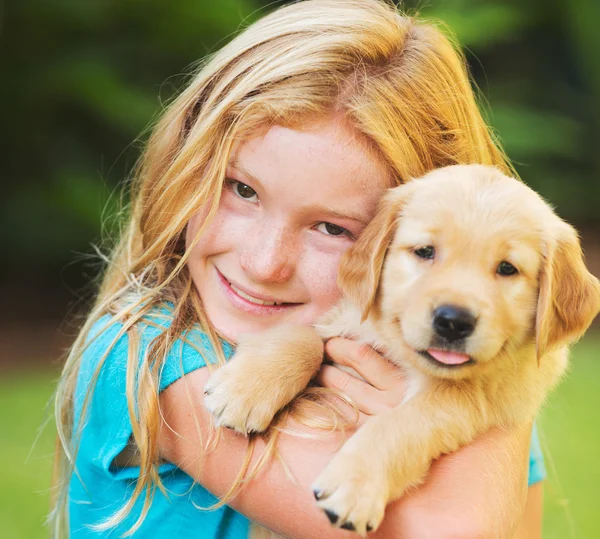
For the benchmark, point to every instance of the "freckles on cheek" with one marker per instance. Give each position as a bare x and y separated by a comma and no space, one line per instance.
323,281
223,229
194,225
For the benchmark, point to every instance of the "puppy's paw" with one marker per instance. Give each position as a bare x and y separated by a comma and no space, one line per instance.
266,373
237,400
352,493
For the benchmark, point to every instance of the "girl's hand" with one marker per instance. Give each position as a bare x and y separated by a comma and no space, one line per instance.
383,386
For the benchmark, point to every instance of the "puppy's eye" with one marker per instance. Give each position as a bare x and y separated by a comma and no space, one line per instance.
427,252
506,268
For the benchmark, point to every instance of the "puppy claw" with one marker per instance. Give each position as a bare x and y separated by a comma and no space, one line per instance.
351,493
333,517
216,410
231,398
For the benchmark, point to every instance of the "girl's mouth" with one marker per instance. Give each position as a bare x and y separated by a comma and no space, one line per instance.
252,299
250,303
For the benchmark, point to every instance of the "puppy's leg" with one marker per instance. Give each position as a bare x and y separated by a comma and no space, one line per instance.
266,373
387,455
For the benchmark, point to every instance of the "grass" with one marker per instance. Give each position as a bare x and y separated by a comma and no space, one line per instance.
570,431
569,427
24,489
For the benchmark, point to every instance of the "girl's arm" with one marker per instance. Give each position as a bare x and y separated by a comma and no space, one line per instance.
478,492
530,526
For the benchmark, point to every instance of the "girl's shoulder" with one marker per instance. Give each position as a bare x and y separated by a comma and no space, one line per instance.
105,401
112,346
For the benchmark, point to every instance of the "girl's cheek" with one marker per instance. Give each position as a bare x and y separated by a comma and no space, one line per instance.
227,228
320,277
192,227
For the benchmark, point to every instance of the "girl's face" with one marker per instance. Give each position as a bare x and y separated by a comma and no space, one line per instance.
293,202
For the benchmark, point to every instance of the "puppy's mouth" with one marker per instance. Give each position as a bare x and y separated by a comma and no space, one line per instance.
447,359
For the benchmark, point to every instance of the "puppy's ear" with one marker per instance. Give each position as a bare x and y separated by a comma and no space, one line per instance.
569,295
360,267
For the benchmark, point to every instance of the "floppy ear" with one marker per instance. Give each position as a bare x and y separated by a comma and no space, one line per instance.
569,295
360,267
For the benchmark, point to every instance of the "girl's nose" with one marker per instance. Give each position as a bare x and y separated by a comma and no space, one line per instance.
270,256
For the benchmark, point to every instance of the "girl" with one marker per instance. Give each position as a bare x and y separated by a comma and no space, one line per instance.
255,181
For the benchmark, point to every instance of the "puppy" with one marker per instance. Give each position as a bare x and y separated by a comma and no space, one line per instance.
468,281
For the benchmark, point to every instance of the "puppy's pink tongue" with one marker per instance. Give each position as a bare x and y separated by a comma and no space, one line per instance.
449,358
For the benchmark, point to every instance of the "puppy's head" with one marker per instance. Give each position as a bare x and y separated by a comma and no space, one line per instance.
466,266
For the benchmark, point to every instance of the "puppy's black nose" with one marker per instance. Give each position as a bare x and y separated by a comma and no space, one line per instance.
453,323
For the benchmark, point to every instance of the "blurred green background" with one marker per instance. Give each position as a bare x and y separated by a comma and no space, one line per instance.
80,82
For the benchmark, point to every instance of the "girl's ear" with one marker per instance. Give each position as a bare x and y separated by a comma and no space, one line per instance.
360,267
569,295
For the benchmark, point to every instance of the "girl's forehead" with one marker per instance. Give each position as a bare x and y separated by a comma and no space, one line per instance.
329,151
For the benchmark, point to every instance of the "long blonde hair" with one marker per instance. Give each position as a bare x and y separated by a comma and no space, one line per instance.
398,80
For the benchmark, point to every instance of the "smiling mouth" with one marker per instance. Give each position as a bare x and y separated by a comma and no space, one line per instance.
251,299
447,360
259,302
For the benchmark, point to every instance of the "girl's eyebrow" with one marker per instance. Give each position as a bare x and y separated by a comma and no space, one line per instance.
235,164
342,214
357,215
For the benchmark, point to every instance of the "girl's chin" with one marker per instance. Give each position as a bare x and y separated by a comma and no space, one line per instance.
235,332
233,329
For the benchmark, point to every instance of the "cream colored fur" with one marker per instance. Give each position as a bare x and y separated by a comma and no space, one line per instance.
476,218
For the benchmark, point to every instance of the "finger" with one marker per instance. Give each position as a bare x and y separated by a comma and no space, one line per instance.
367,398
346,407
372,366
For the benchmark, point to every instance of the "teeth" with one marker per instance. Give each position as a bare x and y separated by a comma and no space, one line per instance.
250,298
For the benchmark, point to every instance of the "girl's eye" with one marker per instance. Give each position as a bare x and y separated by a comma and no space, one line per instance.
506,268
332,230
427,252
242,190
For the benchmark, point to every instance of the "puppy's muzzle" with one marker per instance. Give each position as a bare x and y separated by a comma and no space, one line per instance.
453,323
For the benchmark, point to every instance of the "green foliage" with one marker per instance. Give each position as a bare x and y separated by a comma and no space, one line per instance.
478,24
82,80
536,63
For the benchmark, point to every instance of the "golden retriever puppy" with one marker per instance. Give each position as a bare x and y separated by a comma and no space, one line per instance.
468,281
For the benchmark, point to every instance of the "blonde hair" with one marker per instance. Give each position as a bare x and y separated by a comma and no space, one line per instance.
398,80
